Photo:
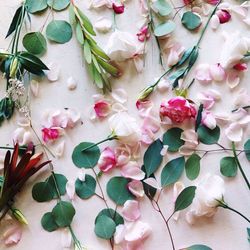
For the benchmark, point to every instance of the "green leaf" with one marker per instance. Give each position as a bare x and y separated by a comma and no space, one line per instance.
112,214
185,56
87,158
42,191
172,138
87,52
105,227
108,67
63,213
192,166
199,117
247,149
172,171
148,190
117,190
185,198
79,34
152,158
58,4
208,136
164,29
36,6
61,182
85,189
198,247
193,57
35,43
228,166
48,222
98,51
59,31
163,7
248,234
72,15
191,20
15,21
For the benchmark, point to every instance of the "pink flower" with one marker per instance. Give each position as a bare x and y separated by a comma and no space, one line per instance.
223,15
102,108
143,34
177,110
118,9
213,2
240,66
50,134
107,160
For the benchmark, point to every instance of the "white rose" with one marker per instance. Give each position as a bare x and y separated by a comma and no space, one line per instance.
122,46
234,49
125,128
209,190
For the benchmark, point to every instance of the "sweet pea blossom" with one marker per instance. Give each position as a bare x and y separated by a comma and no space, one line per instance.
143,34
125,127
224,15
118,8
51,134
177,110
210,190
107,160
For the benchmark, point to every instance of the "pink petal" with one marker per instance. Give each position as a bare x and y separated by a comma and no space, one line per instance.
233,79
152,182
102,108
119,95
136,188
234,132
217,72
13,235
137,231
66,239
202,74
132,170
131,210
215,22
123,155
208,120
107,160
119,234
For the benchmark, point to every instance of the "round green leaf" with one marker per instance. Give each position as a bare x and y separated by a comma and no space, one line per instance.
198,247
59,31
172,138
48,222
42,191
61,182
247,149
228,166
164,29
85,189
191,20
105,227
87,158
36,6
35,43
117,190
152,157
192,166
58,4
208,136
63,213
163,7
172,171
112,214
185,198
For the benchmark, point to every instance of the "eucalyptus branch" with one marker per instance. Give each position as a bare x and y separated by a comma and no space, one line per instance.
99,64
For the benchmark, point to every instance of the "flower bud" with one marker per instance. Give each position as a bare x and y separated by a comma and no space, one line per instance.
223,15
19,216
118,9
13,67
146,93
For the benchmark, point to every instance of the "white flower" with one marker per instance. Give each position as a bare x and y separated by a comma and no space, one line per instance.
209,190
122,46
125,128
234,48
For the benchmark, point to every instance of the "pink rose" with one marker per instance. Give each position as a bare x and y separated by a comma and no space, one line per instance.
177,110
107,160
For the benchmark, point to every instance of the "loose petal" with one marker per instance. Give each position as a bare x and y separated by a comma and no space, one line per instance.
131,210
132,170
136,188
54,71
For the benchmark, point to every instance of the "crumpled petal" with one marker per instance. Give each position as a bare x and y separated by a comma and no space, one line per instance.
132,170
131,210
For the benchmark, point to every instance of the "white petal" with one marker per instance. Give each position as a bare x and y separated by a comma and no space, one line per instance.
66,239
71,83
70,189
234,132
103,25
119,95
34,87
54,71
59,151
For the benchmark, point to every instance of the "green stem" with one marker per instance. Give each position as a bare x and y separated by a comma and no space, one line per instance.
239,165
244,107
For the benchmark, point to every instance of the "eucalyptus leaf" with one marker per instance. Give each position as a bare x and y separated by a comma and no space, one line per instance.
48,222
58,5
247,149
192,166
59,31
149,191
208,136
164,8
42,191
117,190
191,20
35,43
152,158
105,227
59,186
87,158
63,213
185,56
199,117
172,171
198,247
172,138
111,213
164,29
185,198
15,21
228,166
34,6
85,189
